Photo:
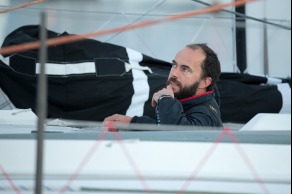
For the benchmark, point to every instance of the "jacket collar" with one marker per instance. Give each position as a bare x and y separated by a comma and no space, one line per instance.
197,96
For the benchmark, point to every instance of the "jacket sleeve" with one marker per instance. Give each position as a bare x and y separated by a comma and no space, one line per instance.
171,112
143,119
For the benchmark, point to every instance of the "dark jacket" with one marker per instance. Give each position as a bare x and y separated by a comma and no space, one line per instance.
200,110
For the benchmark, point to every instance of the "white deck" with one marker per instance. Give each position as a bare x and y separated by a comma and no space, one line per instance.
136,164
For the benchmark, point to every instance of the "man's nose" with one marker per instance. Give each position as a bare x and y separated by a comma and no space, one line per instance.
174,72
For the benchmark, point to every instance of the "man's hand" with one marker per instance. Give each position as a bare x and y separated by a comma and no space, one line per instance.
168,91
118,118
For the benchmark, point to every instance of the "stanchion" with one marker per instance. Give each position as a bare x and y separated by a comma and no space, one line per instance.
41,106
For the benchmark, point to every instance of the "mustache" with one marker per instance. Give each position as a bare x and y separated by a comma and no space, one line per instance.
173,80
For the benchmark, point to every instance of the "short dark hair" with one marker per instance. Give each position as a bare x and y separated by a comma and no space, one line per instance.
211,64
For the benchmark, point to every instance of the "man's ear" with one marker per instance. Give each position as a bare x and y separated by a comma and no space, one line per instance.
205,82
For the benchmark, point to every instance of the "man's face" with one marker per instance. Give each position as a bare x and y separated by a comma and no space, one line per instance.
184,92
185,75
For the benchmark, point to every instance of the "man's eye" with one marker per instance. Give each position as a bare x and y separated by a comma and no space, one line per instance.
186,70
174,66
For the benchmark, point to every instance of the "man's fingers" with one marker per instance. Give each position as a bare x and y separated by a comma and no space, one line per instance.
169,87
155,98
153,102
112,118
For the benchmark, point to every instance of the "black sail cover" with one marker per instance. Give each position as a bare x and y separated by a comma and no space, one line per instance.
90,80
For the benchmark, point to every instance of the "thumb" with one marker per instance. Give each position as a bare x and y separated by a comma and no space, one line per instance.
170,90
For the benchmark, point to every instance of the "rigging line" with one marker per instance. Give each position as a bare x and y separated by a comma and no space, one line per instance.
106,22
83,162
114,13
216,27
74,38
141,38
226,132
247,161
133,163
203,161
110,127
141,16
7,177
247,17
21,6
6,100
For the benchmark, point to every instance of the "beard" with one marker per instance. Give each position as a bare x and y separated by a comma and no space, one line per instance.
184,92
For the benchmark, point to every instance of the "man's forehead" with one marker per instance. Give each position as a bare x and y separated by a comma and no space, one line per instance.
188,56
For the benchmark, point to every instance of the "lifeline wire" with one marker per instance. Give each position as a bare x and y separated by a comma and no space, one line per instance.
141,16
243,16
74,38
21,6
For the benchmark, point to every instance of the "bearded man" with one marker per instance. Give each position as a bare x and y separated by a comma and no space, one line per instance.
189,97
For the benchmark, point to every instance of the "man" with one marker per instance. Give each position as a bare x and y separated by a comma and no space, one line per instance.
188,98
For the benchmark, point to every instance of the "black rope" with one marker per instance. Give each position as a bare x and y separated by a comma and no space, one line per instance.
247,17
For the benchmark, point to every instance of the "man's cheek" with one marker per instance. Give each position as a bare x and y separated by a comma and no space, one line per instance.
176,89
